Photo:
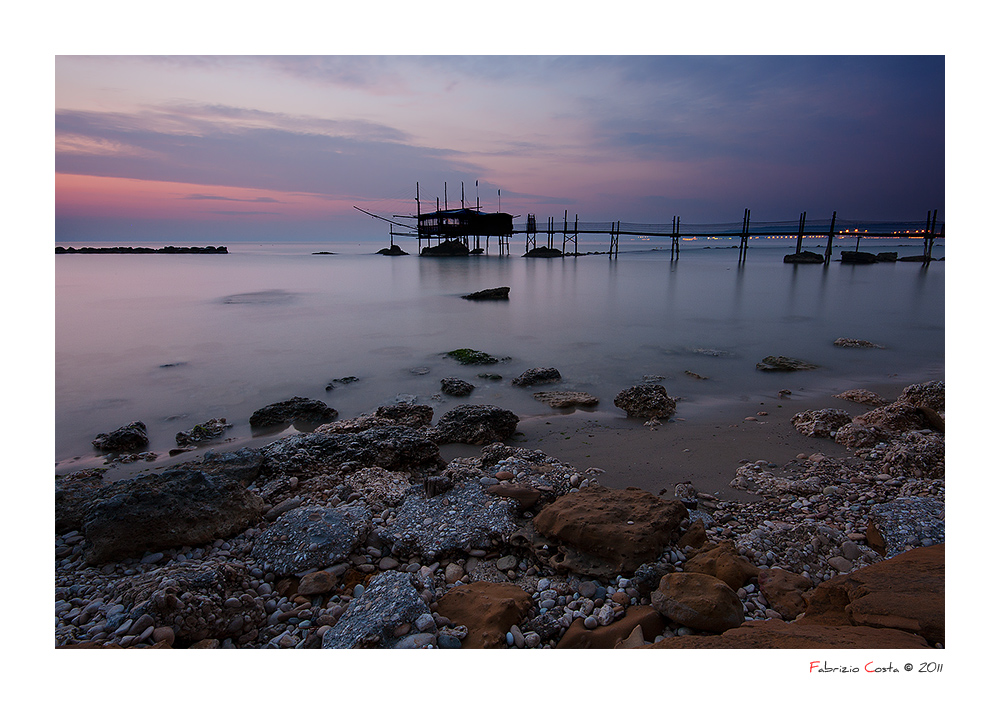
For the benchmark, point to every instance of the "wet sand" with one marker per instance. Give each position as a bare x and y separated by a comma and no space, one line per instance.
705,452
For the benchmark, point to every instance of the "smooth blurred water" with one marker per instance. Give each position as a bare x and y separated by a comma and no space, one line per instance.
174,340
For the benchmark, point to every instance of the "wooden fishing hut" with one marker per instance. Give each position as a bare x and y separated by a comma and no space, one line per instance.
461,225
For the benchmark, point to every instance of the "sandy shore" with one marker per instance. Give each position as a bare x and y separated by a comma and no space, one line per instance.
705,452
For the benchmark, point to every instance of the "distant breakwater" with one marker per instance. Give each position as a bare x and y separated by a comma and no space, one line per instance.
142,250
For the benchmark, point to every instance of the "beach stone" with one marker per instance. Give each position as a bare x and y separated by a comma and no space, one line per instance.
525,495
198,600
164,634
453,573
371,620
855,435
698,601
646,401
903,593
822,423
896,417
537,375
456,387
695,536
463,518
915,454
898,525
319,582
784,591
171,509
783,364
776,634
604,532
487,610
565,399
724,562
125,439
475,425
393,448
311,537
646,618
294,409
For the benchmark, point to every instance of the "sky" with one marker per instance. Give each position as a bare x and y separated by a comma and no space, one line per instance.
282,148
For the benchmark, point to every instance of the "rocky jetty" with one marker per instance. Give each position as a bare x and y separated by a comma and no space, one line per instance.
359,535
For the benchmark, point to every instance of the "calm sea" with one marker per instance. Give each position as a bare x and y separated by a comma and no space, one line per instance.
174,340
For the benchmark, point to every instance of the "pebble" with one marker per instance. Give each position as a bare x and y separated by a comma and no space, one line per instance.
590,622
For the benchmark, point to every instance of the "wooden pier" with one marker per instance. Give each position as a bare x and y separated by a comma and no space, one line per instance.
459,232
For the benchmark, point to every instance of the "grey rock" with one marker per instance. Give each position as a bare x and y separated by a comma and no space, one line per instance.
311,537
783,364
537,375
823,423
371,619
463,518
456,387
475,425
125,439
296,408
646,401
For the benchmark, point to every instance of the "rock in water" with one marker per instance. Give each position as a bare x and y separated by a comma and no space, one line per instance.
501,293
646,401
295,408
125,439
566,399
773,363
537,375
208,430
456,387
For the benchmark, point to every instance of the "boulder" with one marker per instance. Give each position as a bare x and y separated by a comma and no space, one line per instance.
822,423
863,396
774,634
393,251
605,532
849,257
804,257
904,593
896,417
177,507
501,293
537,375
125,439
448,248
197,600
698,601
646,618
319,582
723,562
565,399
773,363
646,401
456,387
855,435
294,409
311,537
394,448
371,620
487,610
463,518
465,355
784,591
546,252
475,425
524,494
929,394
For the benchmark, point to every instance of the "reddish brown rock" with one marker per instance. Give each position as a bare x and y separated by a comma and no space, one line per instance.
784,591
698,601
695,536
604,532
317,583
645,617
904,593
526,496
775,634
724,562
487,609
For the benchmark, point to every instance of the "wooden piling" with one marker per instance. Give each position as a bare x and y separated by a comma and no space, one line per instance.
829,239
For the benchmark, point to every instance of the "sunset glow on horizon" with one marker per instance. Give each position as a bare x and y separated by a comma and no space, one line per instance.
283,147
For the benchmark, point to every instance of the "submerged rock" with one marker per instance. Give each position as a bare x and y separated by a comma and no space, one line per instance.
456,387
501,293
208,430
124,439
544,252
566,399
773,363
448,248
852,342
465,355
394,251
805,257
537,375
